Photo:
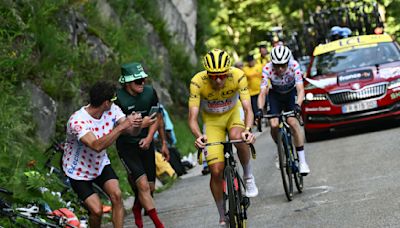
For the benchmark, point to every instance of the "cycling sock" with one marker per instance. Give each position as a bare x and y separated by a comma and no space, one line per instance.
221,211
137,213
247,170
302,157
153,215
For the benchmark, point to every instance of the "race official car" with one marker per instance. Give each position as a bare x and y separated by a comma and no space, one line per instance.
349,81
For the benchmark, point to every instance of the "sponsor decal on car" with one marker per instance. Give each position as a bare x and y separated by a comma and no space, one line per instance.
389,72
318,109
354,76
322,83
395,95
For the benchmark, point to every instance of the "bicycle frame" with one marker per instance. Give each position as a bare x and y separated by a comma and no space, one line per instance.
288,159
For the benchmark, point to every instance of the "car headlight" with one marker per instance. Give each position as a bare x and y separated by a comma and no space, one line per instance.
394,84
315,97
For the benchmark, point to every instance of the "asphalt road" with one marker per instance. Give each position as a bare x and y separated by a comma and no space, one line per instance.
354,182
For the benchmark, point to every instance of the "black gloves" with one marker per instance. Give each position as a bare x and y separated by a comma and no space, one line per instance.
258,114
297,108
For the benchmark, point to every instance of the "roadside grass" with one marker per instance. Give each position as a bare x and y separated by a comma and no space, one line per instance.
185,139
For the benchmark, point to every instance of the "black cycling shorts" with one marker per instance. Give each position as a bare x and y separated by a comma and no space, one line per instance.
281,102
84,188
138,162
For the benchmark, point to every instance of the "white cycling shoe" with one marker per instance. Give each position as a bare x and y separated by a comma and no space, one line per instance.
251,188
304,169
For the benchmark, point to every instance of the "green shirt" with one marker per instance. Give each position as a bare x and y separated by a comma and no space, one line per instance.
140,103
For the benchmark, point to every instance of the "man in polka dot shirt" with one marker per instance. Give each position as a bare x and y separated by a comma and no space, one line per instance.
90,130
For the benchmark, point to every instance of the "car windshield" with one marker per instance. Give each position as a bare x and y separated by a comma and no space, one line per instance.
355,57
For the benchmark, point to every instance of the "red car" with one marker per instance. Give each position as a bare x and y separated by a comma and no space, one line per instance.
351,80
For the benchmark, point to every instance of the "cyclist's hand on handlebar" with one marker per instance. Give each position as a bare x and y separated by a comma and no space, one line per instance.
297,108
258,114
201,142
248,137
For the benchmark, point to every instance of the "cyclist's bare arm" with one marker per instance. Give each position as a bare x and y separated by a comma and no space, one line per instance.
248,113
194,127
192,119
300,93
261,97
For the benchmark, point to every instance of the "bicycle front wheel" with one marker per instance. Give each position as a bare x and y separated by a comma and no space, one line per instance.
233,203
298,178
285,166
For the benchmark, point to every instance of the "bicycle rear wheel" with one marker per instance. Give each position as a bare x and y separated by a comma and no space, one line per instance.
285,167
298,178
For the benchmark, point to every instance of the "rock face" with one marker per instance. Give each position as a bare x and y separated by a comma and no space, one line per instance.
181,17
44,112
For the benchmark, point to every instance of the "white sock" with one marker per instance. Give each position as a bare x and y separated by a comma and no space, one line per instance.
302,157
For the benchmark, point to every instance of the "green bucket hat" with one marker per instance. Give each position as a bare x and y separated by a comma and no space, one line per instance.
131,72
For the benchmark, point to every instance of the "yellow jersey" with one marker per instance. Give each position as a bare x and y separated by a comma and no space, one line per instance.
262,60
254,77
211,100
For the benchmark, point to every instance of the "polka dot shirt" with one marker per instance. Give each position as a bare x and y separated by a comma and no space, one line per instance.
79,161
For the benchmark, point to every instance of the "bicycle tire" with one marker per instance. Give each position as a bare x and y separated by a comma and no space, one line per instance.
298,178
232,199
286,170
244,202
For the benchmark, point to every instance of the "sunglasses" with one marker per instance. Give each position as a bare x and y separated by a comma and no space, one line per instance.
280,65
114,98
217,76
139,81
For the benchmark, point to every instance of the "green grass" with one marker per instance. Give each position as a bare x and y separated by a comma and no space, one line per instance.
185,139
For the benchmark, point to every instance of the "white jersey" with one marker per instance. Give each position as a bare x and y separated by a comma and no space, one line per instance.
79,161
284,83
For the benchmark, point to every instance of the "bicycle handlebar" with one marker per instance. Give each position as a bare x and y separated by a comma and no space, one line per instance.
225,142
291,113
252,149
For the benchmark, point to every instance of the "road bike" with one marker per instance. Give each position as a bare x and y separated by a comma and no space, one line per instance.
288,158
30,214
236,203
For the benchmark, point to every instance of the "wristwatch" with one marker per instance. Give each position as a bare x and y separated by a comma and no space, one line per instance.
248,129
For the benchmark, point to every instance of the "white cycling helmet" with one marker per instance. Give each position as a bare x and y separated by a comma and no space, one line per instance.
280,55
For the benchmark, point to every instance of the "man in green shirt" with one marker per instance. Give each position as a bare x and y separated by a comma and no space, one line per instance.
137,152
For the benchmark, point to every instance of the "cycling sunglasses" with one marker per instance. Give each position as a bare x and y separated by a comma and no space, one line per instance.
217,76
280,65
139,81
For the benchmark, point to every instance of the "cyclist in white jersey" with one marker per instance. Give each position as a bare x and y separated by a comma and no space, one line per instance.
282,80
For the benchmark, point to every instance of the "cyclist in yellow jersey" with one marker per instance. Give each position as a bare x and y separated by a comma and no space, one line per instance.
253,74
216,92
